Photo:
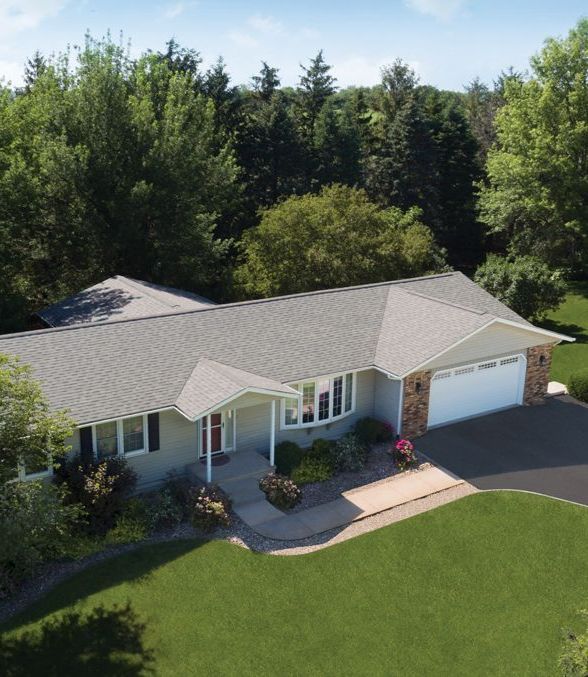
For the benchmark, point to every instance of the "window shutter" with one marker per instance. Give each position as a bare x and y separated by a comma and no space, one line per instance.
153,429
86,449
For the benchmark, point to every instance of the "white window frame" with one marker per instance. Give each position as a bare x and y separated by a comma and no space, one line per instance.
120,438
23,476
331,418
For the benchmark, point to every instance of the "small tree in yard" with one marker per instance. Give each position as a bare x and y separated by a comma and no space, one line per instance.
525,284
30,434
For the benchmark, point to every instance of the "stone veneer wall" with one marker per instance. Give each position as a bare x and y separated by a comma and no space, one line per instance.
415,405
537,376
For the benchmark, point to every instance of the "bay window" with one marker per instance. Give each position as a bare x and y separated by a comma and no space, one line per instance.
320,401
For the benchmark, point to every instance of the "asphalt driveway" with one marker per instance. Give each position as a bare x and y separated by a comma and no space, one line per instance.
542,448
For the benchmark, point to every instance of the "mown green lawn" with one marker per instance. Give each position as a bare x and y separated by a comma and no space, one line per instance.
572,319
482,586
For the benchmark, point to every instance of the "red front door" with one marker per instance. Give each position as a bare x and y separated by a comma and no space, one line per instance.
216,436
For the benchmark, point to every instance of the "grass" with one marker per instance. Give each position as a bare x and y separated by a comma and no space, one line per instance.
572,319
480,586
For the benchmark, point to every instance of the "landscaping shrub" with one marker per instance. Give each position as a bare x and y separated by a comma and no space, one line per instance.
312,469
101,488
372,431
132,524
210,508
349,453
322,450
35,526
179,487
573,661
404,455
578,385
165,511
288,456
280,490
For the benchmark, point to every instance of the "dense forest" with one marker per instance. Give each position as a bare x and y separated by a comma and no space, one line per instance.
162,170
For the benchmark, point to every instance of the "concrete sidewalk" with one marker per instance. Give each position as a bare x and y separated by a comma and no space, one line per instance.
353,505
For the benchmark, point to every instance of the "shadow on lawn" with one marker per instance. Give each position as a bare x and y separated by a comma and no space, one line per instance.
102,642
573,330
134,567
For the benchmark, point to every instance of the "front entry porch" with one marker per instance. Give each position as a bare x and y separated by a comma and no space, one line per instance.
238,465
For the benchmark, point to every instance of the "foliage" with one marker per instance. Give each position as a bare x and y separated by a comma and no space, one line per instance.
287,455
280,491
126,530
373,431
312,469
334,239
101,488
525,284
102,641
30,433
166,509
210,508
322,450
35,526
94,152
573,661
538,177
179,487
578,385
349,454
404,455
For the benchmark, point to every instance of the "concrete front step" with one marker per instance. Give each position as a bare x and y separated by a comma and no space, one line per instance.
244,489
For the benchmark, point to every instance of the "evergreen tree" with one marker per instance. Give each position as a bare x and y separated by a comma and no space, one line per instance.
267,82
315,87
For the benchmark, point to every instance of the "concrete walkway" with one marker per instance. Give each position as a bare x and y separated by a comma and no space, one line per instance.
353,505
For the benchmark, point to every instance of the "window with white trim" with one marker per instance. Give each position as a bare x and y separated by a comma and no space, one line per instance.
320,401
123,437
34,471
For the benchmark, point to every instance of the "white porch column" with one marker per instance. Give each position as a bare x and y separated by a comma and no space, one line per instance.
273,433
208,451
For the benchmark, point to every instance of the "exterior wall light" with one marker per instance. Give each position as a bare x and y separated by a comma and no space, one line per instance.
418,387
542,360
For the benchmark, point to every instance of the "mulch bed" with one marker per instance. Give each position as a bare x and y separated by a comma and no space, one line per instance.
379,466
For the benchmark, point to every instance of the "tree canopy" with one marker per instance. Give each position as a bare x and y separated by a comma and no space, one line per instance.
334,239
31,436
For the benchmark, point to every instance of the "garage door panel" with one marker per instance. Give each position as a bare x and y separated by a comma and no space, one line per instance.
476,389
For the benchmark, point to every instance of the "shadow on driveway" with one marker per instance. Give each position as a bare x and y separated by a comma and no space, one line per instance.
542,449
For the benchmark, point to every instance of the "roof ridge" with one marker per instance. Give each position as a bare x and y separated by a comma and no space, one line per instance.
448,303
144,288
223,306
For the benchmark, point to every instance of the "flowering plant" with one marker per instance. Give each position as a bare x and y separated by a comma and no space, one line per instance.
280,490
404,455
210,508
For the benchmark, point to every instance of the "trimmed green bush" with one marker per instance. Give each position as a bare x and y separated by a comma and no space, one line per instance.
323,450
288,455
280,490
165,511
101,488
128,529
578,385
349,454
179,487
312,469
373,431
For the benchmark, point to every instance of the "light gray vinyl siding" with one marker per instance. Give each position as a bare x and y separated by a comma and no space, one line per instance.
494,340
253,423
386,399
178,447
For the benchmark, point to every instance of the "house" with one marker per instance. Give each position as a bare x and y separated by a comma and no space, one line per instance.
170,389
117,298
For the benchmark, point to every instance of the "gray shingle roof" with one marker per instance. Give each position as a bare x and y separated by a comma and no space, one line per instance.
112,369
212,382
120,298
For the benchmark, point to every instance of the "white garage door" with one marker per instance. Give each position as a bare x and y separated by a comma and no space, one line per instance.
476,389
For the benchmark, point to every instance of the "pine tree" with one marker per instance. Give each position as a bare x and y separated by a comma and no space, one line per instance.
267,82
